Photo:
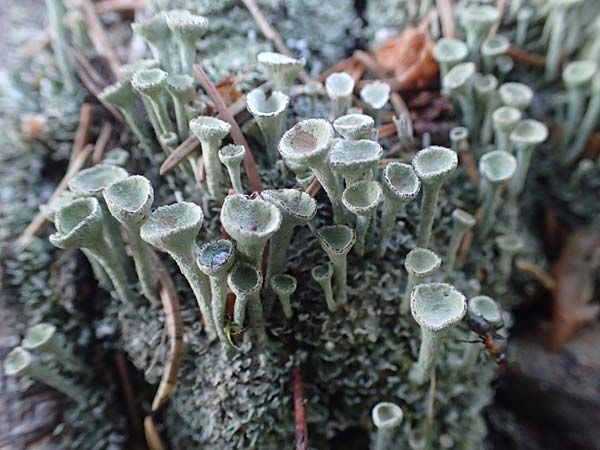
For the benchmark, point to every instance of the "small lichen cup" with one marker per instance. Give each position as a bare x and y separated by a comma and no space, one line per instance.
45,338
386,417
355,160
419,264
322,274
448,52
187,29
491,48
339,87
245,282
284,286
587,125
282,70
337,241
231,156
457,83
462,221
436,307
433,165
477,21
157,35
505,119
485,307
525,137
376,95
355,127
151,83
270,114
362,198
517,95
181,89
509,246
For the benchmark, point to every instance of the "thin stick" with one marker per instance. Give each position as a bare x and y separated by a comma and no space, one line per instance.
271,34
386,130
102,142
118,5
313,188
447,18
468,161
538,274
127,390
236,134
186,148
372,65
342,66
527,58
82,134
98,37
152,437
500,6
301,426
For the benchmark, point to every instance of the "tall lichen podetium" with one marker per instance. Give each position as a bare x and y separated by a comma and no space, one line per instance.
45,338
187,29
433,165
270,114
129,201
362,198
339,87
281,69
307,144
337,241
477,21
448,52
322,274
386,417
457,83
284,286
231,156
215,259
151,84
436,307
462,221
173,229
245,282
181,89
157,35
211,131
60,46
486,308
80,225
400,186
354,127
419,264
505,119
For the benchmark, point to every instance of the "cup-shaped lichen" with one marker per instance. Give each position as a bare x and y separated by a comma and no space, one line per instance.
151,84
448,52
477,21
526,136
322,274
215,259
376,95
400,186
559,10
457,83
250,222
587,125
486,308
387,418
187,29
231,156
211,131
433,165
339,87
269,113
419,264
355,160
80,225
19,362
524,16
362,199
181,89
458,136
297,208
245,282
282,70
497,167
284,286
129,201
157,35
436,307
505,119
509,245
485,89
491,48
337,241
307,144
355,126
517,95
173,229
461,222
45,338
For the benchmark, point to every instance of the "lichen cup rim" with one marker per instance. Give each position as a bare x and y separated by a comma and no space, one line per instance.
216,256
362,197
464,217
149,80
442,306
38,335
515,92
376,94
484,83
428,167
352,124
303,207
495,45
239,215
529,132
449,50
404,191
387,415
180,82
458,76
84,224
349,154
148,26
319,130
506,115
208,127
336,244
422,262
278,59
486,307
127,70
322,271
118,197
339,84
480,13
509,242
93,180
17,360
180,218
232,153
183,21
283,284
119,94
236,283
258,104
578,73
497,166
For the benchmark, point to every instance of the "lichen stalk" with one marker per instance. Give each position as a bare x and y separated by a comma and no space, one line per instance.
58,35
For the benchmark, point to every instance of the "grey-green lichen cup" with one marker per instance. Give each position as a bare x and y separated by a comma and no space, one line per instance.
376,95
517,95
462,221
419,264
457,83
251,222
493,47
181,89
386,417
284,286
173,229
151,83
187,29
433,165
509,246
400,186
322,274
362,199
477,21
282,70
525,137
504,120
337,241
211,131
80,225
245,282
129,201
339,87
355,126
485,307
270,114
355,160
436,307
448,52
45,338
231,156
157,35
215,259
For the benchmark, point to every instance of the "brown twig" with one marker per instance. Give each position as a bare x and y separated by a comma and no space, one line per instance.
447,18
236,134
98,37
35,45
500,6
271,34
468,161
538,274
342,66
387,130
301,426
82,134
313,188
186,148
102,142
104,6
371,63
127,390
530,59
152,437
